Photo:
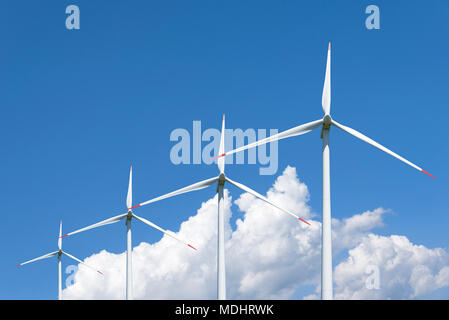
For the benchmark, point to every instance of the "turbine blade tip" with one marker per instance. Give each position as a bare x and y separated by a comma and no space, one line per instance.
100,272
17,265
136,206
191,247
329,45
422,170
304,221
63,236
219,156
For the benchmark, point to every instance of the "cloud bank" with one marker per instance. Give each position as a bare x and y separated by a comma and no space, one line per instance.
269,255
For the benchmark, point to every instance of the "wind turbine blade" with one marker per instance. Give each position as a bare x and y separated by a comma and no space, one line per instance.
60,235
98,224
221,160
193,187
76,259
261,197
151,224
377,145
296,131
45,256
326,98
129,198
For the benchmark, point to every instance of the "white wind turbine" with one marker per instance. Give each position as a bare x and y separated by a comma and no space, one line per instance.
59,253
129,215
325,123
221,179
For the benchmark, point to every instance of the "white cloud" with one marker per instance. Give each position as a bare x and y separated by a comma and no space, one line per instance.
406,270
269,256
348,232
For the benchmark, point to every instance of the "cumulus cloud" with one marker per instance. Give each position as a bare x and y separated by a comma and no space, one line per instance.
405,270
269,255
348,232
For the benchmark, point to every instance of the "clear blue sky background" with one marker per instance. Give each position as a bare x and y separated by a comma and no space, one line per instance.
79,107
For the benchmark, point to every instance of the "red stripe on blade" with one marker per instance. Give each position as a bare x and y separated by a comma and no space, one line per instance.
304,221
136,206
427,173
17,265
191,246
100,272
63,236
219,156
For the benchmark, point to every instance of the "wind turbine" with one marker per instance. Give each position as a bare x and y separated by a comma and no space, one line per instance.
59,253
129,215
220,180
325,123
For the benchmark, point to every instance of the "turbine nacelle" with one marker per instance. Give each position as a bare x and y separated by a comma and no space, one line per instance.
327,121
221,179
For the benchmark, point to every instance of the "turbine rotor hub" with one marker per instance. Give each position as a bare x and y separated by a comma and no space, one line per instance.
327,120
221,179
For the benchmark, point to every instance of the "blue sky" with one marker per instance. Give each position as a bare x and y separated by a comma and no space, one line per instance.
79,107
